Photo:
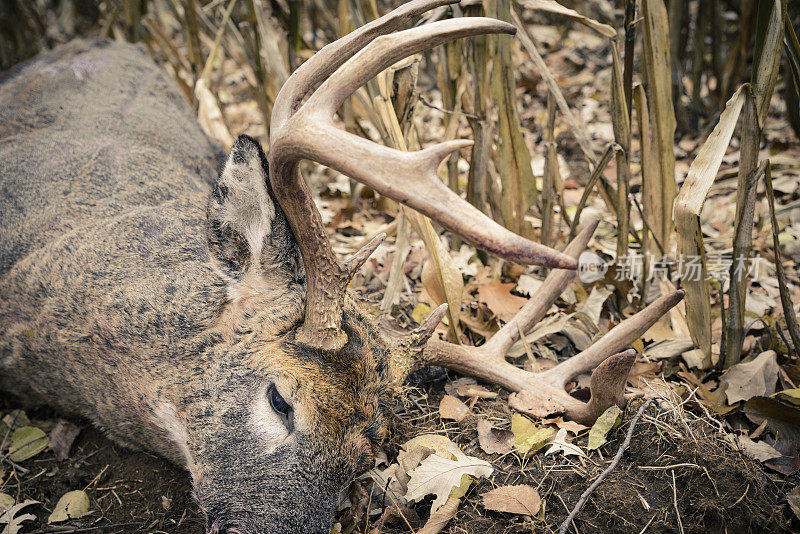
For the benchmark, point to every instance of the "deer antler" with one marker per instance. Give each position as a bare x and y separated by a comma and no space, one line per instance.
307,132
542,394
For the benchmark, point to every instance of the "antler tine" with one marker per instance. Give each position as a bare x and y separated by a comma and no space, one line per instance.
355,261
330,57
407,349
544,393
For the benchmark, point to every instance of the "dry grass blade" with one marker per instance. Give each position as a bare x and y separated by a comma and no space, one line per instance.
550,6
551,173
478,59
513,159
653,209
593,179
209,114
768,58
192,30
441,277
743,234
402,248
786,301
662,114
688,206
769,41
552,85
620,119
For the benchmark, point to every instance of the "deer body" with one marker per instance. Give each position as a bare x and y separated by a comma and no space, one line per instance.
101,235
191,305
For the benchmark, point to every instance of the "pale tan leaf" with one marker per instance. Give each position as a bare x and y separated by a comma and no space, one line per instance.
522,499
71,505
497,296
493,440
210,116
753,378
441,445
452,387
560,444
438,476
26,442
474,390
610,419
688,206
758,450
452,408
13,521
569,426
593,305
551,6
6,502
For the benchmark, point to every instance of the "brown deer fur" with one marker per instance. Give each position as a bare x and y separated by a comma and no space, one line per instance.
142,292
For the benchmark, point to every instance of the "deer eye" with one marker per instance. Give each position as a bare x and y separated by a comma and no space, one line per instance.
278,403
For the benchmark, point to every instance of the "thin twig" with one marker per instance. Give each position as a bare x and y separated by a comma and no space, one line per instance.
675,500
568,521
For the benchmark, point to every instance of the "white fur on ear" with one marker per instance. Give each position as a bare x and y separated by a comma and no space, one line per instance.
243,204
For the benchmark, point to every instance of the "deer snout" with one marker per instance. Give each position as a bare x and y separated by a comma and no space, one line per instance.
240,523
248,523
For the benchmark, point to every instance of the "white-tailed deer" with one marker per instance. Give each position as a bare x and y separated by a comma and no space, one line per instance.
205,317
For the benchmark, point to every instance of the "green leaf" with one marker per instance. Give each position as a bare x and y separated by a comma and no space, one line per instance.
610,419
72,505
528,438
790,395
459,491
27,442
6,502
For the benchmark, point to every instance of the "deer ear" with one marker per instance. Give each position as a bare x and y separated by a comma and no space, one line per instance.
246,229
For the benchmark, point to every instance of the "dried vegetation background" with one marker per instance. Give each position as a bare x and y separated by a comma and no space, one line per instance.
676,124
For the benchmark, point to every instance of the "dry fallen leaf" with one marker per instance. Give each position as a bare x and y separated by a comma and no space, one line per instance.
474,390
752,379
438,475
26,442
528,438
569,426
12,521
758,450
452,386
452,408
560,444
794,501
497,296
611,418
61,438
520,499
6,502
71,505
593,305
493,440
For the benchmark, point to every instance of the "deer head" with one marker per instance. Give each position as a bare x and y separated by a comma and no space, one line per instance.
293,402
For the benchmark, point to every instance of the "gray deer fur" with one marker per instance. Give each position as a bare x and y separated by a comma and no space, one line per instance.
155,297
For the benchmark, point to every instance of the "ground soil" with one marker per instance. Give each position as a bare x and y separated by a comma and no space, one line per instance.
715,488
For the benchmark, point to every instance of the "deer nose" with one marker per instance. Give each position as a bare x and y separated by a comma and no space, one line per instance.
232,525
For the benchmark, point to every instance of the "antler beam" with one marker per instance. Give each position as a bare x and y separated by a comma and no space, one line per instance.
308,132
